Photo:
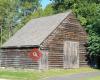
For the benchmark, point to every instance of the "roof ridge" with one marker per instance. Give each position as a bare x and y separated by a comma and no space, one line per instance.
70,11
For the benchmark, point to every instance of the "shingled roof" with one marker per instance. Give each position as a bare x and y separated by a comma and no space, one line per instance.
35,31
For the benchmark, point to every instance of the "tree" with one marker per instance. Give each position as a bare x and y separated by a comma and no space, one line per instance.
12,14
29,6
48,10
7,12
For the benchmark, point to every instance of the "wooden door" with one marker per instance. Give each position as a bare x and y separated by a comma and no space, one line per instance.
43,63
71,54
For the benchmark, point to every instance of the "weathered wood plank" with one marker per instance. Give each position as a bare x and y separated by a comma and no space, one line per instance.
71,54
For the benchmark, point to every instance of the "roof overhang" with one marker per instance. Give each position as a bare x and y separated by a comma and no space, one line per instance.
20,47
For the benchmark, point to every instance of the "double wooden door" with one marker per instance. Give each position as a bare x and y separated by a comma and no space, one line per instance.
71,54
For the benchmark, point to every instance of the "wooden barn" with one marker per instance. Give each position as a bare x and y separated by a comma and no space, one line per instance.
60,38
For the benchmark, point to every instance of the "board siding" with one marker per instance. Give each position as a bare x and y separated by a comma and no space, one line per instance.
69,30
43,63
15,58
71,54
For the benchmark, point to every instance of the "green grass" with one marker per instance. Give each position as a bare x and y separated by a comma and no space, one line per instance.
19,74
94,78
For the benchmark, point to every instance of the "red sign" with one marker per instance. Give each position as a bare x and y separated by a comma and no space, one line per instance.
35,54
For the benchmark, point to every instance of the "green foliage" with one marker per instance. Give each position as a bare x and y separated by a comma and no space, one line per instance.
7,12
82,20
94,38
62,5
6,9
12,15
96,27
87,10
43,12
94,45
48,10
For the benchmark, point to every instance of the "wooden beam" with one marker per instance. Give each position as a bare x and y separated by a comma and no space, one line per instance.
1,35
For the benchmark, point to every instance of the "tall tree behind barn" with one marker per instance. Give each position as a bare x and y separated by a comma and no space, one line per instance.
60,38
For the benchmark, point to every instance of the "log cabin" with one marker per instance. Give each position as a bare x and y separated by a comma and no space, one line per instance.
59,38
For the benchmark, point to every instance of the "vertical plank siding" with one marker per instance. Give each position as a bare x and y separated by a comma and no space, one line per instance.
43,63
71,54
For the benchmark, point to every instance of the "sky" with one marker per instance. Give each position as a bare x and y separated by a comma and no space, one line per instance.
44,3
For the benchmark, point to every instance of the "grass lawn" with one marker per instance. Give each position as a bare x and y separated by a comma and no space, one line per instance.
19,74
